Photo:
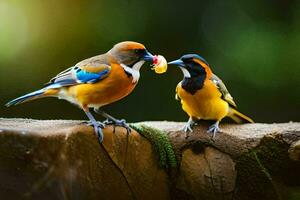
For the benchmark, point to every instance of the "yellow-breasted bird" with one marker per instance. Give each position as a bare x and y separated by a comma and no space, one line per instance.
97,81
203,95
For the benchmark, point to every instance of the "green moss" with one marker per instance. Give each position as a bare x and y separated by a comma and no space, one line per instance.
273,154
253,180
265,171
260,165
160,142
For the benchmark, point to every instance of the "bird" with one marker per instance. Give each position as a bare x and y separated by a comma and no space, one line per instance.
203,95
97,81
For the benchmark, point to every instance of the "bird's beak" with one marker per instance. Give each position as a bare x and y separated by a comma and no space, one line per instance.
148,57
178,62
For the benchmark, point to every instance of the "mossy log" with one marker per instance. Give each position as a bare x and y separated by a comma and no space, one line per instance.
61,159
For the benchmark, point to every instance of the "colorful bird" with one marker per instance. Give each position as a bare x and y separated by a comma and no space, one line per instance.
97,81
203,95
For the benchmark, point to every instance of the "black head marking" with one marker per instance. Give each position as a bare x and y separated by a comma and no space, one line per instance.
193,84
197,72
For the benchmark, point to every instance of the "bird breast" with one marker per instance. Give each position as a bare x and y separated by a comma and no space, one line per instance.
113,88
206,103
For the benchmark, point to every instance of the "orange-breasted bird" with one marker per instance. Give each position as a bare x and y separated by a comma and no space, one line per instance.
97,81
203,95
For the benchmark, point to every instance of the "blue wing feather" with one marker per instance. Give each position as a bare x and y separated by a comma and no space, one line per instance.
89,77
76,75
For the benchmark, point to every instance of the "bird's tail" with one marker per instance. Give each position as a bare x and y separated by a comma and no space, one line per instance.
239,117
44,92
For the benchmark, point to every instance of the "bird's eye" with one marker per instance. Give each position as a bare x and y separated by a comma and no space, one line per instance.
139,51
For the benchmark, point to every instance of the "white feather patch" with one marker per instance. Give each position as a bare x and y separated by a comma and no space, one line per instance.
63,94
186,73
134,71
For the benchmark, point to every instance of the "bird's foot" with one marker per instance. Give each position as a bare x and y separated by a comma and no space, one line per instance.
98,126
121,122
108,122
214,129
89,123
99,133
187,128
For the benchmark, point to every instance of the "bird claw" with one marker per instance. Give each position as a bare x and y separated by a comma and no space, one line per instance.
214,129
99,133
187,128
108,122
98,126
121,122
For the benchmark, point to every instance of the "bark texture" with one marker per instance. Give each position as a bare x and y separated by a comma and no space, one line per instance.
60,159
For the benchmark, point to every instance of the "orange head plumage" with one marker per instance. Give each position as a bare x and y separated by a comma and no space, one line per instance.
129,53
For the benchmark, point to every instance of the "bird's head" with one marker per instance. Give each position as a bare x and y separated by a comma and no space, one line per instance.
129,53
192,65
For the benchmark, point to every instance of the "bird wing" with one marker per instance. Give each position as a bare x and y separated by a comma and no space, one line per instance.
176,92
222,88
87,71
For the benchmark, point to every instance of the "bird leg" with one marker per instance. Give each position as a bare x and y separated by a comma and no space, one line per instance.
214,128
188,126
98,126
110,120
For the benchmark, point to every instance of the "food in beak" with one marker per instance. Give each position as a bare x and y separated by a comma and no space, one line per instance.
160,64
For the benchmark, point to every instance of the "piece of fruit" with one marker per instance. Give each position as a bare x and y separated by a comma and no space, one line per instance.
160,64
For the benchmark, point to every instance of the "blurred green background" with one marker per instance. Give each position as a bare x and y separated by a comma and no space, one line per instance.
254,46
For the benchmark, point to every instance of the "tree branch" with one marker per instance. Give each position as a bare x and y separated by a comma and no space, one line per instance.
55,159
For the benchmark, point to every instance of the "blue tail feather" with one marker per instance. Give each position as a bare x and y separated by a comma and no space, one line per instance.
26,97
